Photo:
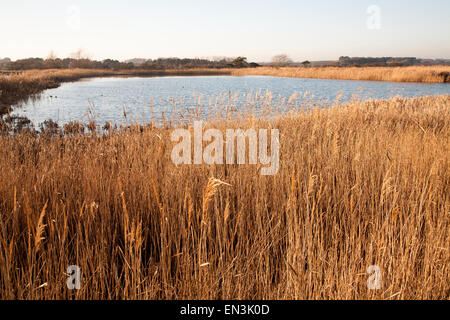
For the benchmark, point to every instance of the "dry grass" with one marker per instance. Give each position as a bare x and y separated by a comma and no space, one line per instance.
437,74
359,185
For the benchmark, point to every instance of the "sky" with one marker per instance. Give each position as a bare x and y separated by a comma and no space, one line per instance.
256,29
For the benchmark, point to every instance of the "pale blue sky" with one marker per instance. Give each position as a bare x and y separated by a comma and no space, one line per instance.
257,29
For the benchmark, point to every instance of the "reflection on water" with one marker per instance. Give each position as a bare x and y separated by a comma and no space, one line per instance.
119,100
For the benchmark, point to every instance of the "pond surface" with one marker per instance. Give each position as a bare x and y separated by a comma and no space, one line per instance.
125,100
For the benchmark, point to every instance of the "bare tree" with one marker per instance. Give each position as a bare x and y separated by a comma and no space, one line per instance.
281,60
80,54
52,55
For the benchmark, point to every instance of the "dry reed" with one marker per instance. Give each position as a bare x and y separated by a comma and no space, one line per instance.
358,185
430,74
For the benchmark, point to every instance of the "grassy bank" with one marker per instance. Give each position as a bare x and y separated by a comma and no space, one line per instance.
431,74
358,185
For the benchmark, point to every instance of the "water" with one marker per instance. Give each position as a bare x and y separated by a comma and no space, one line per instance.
120,100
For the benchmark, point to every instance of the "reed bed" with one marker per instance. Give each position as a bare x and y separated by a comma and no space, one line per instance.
429,74
359,184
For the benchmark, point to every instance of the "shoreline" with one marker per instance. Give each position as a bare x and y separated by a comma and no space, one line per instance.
16,124
411,74
18,87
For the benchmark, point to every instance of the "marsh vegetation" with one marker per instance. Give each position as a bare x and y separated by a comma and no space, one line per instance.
359,184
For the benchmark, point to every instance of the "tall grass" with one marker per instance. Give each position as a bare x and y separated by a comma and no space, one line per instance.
430,74
358,185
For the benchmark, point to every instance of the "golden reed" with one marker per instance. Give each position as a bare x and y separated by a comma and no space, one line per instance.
430,74
358,185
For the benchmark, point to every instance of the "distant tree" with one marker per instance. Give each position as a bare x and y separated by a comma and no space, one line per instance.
306,64
85,64
26,64
281,60
52,55
136,61
111,64
219,58
239,62
150,65
80,54
4,63
53,63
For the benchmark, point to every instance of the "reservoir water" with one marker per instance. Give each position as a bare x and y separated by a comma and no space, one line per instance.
120,100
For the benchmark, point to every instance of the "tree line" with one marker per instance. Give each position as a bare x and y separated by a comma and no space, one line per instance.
110,64
346,61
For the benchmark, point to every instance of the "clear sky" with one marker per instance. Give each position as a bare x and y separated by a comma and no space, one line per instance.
257,29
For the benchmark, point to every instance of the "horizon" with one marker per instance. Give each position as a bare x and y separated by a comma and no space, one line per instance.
213,59
319,31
